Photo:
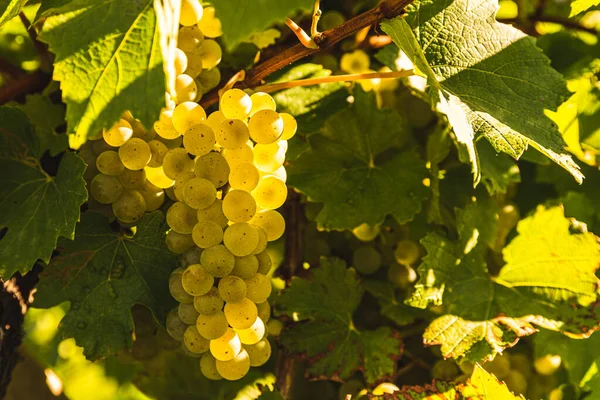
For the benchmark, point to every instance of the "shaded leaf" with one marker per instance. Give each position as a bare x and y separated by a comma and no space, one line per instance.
10,9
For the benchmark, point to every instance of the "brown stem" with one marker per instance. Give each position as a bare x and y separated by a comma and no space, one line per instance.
567,23
325,40
41,49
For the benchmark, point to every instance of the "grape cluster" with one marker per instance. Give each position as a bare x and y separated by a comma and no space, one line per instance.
221,223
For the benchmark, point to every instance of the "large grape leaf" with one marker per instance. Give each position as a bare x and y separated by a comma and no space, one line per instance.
10,9
326,334
103,273
489,78
108,60
241,18
487,314
36,208
356,167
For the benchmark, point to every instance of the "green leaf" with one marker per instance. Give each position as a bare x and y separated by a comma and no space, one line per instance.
391,306
498,170
326,333
485,314
356,168
579,6
103,274
490,78
36,208
240,20
108,60
11,9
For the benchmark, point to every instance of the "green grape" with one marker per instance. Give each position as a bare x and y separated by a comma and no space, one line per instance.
264,262
401,275
191,256
191,12
175,327
171,194
181,218
262,240
209,24
516,382
245,266
208,367
180,62
290,126
164,126
259,353
445,370
178,243
239,206
235,103
199,140
194,67
232,289
547,365
227,346
118,134
214,120
185,88
385,388
140,131
270,157
232,134
350,388
153,196
210,53
356,62
209,303
158,150
241,315
207,234
365,232
171,143
194,342
176,162
187,313
331,19
208,79
135,153
176,288
235,369
180,184
100,146
240,239
157,177
272,222
199,193
499,366
270,193
407,252
239,156
108,163
213,213
131,179
266,126
217,260
262,101
89,157
130,207
520,362
189,353
213,166
258,288
466,367
190,38
244,177
280,173
186,115
212,326
264,311
366,260
196,280
274,327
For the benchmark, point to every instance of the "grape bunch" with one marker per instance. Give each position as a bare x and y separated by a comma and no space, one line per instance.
229,179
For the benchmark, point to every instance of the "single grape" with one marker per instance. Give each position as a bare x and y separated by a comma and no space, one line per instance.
262,101
269,157
191,256
244,177
190,38
194,342
272,222
259,353
208,79
258,288
366,260
262,240
194,67
232,289
208,367
180,184
232,134
264,262
356,62
131,179
239,156
240,239
207,234
270,193
210,53
521,362
118,134
266,126
108,163
199,193
130,207
274,327
241,315
245,267
186,115
217,260
196,281
239,206
331,19
180,62
235,369
181,218
176,162
401,275
547,365
135,153
185,88
175,327
213,213
177,242
445,370
157,177
176,288
499,366
158,150
235,103
290,126
209,303
366,233
191,12
164,126
212,326
213,166
227,346
153,196
209,24
187,313
215,119
407,252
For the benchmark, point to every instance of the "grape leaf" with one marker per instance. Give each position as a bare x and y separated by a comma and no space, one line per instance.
241,18
103,274
485,314
391,306
36,208
579,6
355,168
326,334
11,9
108,60
498,170
490,78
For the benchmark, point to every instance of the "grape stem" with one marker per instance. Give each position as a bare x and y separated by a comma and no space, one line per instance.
237,77
302,36
314,31
45,57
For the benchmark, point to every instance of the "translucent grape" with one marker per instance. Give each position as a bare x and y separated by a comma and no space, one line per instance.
290,126
245,267
235,369
208,367
239,206
191,12
264,311
186,115
175,327
178,243
547,365
262,240
157,177
244,177
153,196
194,342
109,163
215,119
227,346
158,150
366,260
208,79
258,288
269,157
194,67
180,62
210,53
199,193
365,232
135,153
232,134
176,162
180,184
164,126
272,222
407,252
106,189
118,134
241,315
213,166
187,313
217,260
265,126
209,303
259,353
331,19
235,103
181,218
131,179
212,326
270,193
355,62
239,156
241,239
185,88
262,101
232,289
253,334
209,24
176,288
196,281
190,38
401,275
213,213
274,327
207,234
